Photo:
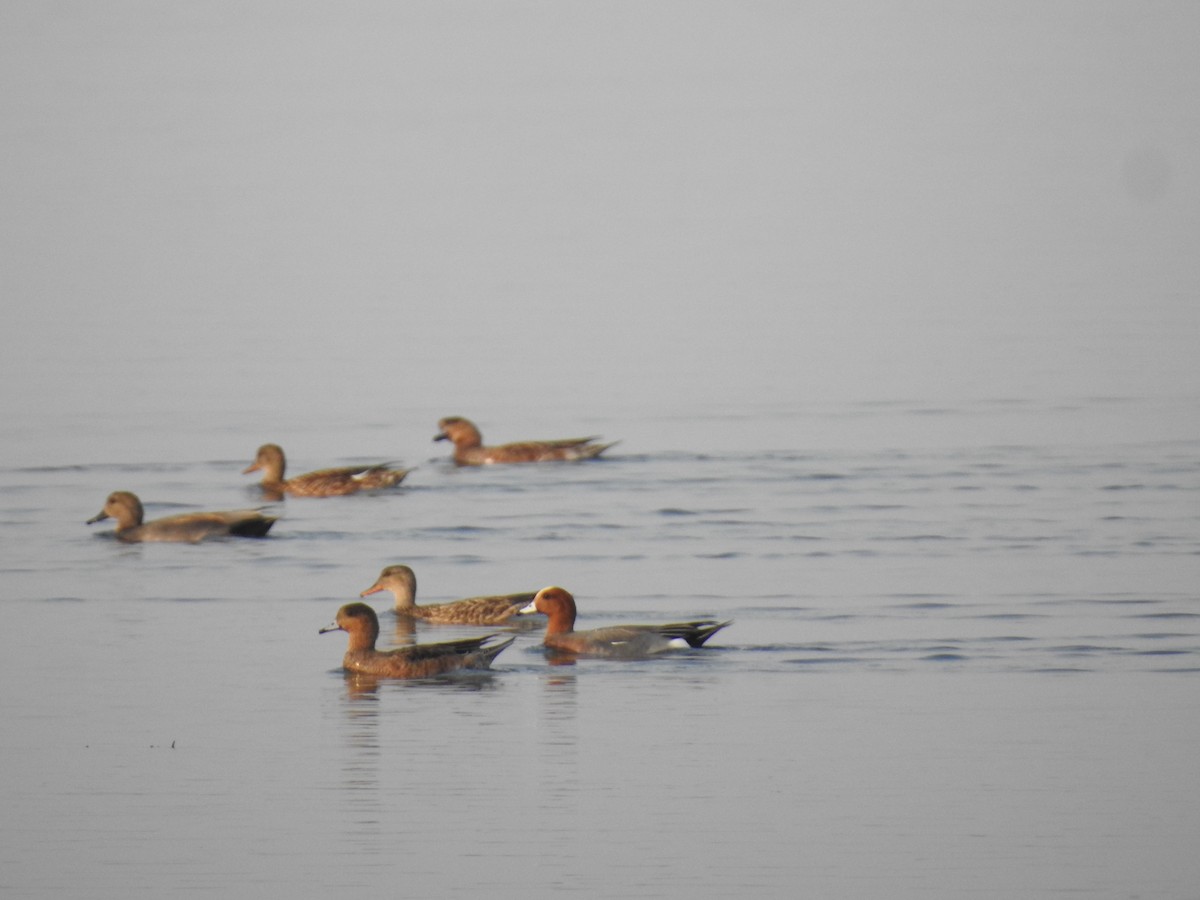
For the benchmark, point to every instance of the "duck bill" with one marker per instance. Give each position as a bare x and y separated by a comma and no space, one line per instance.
98,517
373,589
441,437
253,467
529,610
333,626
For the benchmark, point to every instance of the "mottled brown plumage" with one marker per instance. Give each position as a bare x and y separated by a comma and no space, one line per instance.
616,641
127,510
491,610
418,661
334,482
469,449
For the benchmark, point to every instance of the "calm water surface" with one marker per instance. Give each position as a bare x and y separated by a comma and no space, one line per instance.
892,307
952,671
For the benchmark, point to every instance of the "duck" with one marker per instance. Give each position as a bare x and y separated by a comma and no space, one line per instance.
470,451
335,482
614,641
490,610
361,623
127,510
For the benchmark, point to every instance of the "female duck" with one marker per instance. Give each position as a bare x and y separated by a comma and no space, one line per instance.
127,509
492,610
616,641
334,482
418,661
469,449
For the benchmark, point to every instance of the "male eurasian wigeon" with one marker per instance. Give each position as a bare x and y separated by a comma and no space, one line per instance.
335,482
469,449
492,610
618,641
418,661
126,508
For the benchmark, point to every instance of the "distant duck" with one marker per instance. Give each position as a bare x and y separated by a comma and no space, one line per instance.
401,581
418,661
335,482
127,510
469,449
615,641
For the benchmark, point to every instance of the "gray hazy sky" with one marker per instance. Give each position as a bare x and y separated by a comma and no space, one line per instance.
473,203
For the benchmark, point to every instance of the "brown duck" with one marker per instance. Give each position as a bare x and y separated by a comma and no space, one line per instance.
491,610
127,510
418,661
335,482
470,451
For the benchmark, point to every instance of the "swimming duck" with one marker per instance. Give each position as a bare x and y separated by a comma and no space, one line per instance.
334,482
469,449
618,641
492,610
418,661
127,510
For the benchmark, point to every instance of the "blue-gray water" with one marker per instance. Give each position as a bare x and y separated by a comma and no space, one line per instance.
893,310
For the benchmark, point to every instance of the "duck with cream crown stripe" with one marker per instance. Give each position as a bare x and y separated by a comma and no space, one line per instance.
614,641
